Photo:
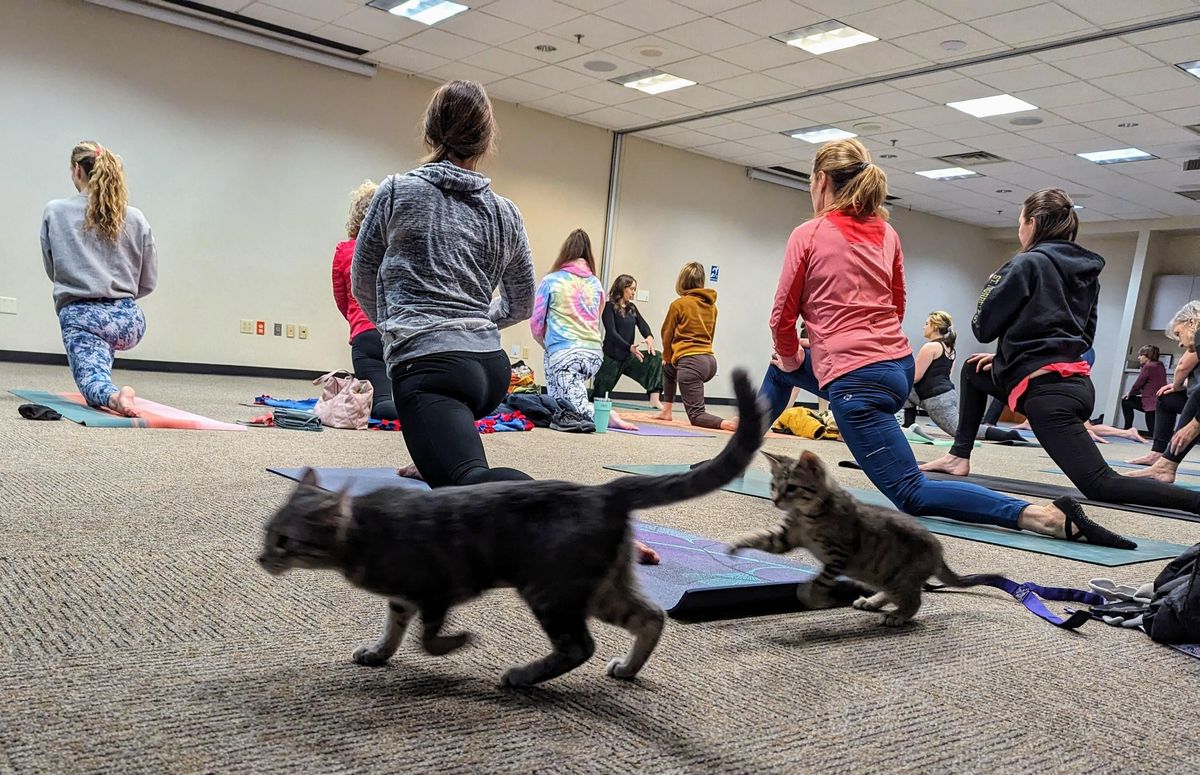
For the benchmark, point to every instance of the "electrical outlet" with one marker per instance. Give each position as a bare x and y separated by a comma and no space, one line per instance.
291,330
525,353
303,331
643,295
260,327
279,329
247,326
8,305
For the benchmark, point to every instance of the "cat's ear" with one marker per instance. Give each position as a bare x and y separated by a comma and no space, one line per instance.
813,463
308,477
777,461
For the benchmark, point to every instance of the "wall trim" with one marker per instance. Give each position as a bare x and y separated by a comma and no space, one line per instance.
170,367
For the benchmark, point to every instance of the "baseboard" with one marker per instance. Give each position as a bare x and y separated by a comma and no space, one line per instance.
170,367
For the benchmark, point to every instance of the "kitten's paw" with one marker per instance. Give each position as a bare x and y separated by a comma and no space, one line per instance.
812,597
894,620
866,604
446,644
371,656
618,669
516,677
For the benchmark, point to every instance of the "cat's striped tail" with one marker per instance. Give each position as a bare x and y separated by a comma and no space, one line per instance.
641,492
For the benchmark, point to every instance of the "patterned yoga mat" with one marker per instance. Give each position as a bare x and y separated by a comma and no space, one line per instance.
73,407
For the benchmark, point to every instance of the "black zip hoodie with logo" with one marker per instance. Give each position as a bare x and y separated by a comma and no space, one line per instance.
1041,306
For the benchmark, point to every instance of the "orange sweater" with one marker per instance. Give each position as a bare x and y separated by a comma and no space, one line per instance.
690,324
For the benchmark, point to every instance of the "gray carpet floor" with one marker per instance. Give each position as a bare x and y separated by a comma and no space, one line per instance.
137,633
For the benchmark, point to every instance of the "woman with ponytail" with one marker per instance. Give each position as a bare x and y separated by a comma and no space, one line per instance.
843,275
99,253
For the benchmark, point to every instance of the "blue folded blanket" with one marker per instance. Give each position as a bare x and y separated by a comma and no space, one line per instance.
304,404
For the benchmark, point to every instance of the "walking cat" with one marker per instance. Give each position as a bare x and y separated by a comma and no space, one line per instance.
566,548
879,546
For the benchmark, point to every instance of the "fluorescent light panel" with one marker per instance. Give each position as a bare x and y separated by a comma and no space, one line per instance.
820,134
1117,156
428,12
1191,68
998,105
827,36
653,81
948,173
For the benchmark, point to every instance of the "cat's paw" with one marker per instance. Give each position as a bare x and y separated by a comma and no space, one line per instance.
371,656
446,644
866,604
516,677
893,620
813,597
617,669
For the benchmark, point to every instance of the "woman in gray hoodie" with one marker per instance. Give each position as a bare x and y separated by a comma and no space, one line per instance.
433,248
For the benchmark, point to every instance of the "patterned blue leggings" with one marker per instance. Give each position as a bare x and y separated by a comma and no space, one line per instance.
91,332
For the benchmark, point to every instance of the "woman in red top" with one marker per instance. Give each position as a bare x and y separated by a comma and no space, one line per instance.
843,275
366,343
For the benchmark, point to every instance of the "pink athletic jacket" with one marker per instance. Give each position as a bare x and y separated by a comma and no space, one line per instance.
844,277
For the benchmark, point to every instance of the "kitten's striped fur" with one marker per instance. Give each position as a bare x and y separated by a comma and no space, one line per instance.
878,546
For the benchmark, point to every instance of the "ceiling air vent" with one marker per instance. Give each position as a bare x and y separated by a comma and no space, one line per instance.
1192,194
1191,165
1194,127
970,158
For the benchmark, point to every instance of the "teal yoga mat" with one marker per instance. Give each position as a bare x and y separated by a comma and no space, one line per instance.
1184,484
758,485
1183,470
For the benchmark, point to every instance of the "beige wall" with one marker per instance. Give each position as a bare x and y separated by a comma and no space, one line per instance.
677,207
242,161
1168,254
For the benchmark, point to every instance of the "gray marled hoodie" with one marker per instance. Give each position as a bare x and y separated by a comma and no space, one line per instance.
433,247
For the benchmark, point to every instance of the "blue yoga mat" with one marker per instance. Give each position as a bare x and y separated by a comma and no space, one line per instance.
1181,471
758,485
695,574
1185,485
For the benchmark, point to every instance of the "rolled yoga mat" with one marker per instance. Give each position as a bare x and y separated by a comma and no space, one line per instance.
695,575
759,485
74,407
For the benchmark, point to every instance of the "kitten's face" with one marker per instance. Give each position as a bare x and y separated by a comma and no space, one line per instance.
798,483
304,532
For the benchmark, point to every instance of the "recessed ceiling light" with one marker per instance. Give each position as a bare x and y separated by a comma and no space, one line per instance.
653,81
650,52
599,66
423,11
1117,156
953,45
1025,121
827,36
1004,191
1191,68
1128,124
820,134
949,173
546,48
997,105
868,126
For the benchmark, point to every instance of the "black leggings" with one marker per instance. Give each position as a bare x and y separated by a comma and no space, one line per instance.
1057,407
366,352
1129,405
1174,409
439,397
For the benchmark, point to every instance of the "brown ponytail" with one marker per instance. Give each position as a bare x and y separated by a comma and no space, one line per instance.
459,125
1053,215
859,186
107,196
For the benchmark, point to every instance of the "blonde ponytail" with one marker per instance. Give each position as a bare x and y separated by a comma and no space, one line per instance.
859,186
107,195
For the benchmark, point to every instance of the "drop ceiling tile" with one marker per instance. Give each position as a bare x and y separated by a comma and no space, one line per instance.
484,27
1096,111
650,15
1124,60
456,71
590,5
772,17
1031,77
955,91
776,142
1168,100
927,118
928,44
350,37
516,90
283,18
1080,50
762,55
1188,116
735,130
1040,22
963,130
1170,32
708,34
701,98
1028,151
777,122
966,10
833,113
726,149
597,31
1052,97
502,61
706,69
622,66
557,78
907,138
710,7
837,9
406,59
810,74
1111,12
906,17
1160,78
932,150
874,58
380,24
608,94
689,138
533,14
753,86
652,51
565,104
1174,51
657,109
892,102
662,133
527,46
613,118
322,10
444,44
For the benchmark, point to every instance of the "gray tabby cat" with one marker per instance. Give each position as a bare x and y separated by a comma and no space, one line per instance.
565,547
879,546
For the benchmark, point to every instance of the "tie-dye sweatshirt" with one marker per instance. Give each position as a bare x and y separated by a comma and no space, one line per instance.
567,308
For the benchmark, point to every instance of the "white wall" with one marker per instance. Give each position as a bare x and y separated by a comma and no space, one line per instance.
242,161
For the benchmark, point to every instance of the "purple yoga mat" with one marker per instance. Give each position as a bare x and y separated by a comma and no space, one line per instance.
663,430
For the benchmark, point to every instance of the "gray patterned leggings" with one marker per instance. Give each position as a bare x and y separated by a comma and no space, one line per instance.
567,375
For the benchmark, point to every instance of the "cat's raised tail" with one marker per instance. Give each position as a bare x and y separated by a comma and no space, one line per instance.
640,492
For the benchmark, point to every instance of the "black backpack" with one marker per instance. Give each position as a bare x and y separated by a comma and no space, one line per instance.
1174,614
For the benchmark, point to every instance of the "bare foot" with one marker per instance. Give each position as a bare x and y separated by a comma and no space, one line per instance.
122,402
729,425
1132,435
948,464
663,416
410,472
1098,439
1150,458
645,555
618,424
1162,470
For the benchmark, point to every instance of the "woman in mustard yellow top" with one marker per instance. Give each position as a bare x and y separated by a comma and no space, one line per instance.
688,360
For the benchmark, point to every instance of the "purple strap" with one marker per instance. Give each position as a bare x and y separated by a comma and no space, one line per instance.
1030,595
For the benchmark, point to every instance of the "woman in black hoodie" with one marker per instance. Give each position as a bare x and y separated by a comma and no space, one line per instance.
1041,306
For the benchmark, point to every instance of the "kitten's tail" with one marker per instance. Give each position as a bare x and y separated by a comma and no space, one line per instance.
641,492
952,579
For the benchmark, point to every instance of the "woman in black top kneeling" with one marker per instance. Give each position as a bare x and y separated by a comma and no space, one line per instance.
622,354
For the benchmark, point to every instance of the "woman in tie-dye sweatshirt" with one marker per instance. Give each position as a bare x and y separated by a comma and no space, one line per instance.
566,323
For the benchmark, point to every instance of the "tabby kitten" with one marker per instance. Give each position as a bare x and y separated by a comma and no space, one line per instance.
879,546
566,548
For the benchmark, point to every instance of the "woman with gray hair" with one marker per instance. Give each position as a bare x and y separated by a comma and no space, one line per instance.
1177,424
